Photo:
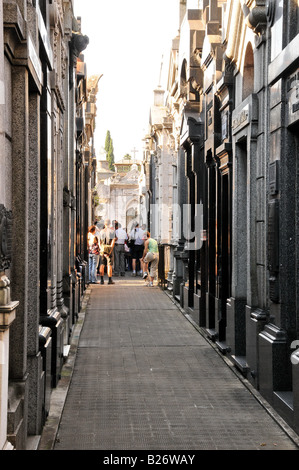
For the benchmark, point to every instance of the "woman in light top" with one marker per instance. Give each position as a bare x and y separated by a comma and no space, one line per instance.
151,255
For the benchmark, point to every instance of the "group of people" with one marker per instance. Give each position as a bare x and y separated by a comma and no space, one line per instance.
108,245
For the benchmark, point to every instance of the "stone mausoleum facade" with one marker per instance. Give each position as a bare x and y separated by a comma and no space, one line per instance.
47,170
227,132
222,142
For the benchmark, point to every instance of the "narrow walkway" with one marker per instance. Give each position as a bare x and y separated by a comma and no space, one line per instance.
144,378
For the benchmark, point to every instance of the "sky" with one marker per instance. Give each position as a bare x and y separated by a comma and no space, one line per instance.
128,40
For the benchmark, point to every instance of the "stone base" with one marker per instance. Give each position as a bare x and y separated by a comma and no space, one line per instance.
220,330
36,394
235,329
196,307
33,442
68,323
284,404
16,425
45,345
255,322
295,375
8,446
241,364
176,285
181,295
193,312
185,297
75,286
7,316
212,334
66,351
274,362
68,302
54,321
222,346
169,286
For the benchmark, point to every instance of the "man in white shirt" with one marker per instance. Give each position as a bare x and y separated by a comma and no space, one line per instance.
119,250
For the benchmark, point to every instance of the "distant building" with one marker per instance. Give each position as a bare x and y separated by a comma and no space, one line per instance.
125,165
119,191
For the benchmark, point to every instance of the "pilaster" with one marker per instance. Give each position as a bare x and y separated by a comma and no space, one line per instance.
7,316
19,265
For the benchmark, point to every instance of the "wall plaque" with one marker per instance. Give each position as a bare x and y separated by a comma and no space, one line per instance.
293,97
224,125
240,119
273,177
273,236
273,249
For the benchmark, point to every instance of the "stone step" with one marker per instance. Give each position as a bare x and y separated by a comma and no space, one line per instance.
15,414
33,442
17,438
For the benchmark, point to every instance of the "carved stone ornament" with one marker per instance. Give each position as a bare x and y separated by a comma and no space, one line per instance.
5,238
79,43
256,17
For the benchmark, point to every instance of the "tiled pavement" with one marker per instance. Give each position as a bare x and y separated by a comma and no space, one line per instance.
141,377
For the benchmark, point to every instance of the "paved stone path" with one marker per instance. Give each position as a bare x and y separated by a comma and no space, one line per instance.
144,378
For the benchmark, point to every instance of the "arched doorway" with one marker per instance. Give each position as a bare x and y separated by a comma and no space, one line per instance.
131,217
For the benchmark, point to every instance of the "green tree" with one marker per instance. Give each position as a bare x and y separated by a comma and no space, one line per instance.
107,141
109,150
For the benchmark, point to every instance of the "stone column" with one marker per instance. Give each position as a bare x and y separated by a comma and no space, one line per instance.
182,199
211,245
189,266
72,186
66,216
19,266
7,316
34,355
63,310
2,111
7,308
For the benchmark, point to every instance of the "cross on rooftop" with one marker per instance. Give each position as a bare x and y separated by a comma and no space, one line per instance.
134,151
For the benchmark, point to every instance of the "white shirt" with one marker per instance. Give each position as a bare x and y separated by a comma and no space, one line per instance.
138,235
121,235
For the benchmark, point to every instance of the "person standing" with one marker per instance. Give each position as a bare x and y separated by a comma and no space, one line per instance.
93,255
119,250
97,234
137,234
151,255
107,241
128,253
